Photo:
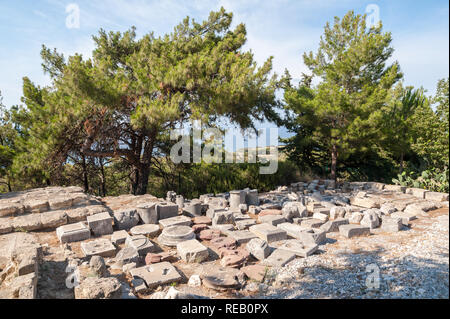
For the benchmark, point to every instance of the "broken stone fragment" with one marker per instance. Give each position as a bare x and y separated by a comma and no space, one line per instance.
147,213
97,266
147,230
141,243
192,251
73,232
351,230
99,288
100,224
209,234
278,258
268,232
101,247
258,248
157,274
119,237
125,219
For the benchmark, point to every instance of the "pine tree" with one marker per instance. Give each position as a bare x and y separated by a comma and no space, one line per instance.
344,108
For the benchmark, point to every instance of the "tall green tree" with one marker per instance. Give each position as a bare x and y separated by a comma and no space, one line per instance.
354,80
7,141
122,102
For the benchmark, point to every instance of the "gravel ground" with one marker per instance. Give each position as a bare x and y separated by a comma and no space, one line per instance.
413,263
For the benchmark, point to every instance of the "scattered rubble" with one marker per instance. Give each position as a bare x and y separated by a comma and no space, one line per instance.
58,241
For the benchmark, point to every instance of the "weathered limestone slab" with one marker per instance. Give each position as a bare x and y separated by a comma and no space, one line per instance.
99,288
36,205
312,237
406,217
245,223
258,248
337,212
5,226
292,230
100,224
255,272
192,251
221,279
279,258
395,188
157,274
146,230
298,247
27,222
99,247
320,216
370,219
127,255
9,209
119,237
241,236
166,210
212,211
268,232
193,209
272,219
175,221
333,225
126,218
60,202
366,202
141,243
221,218
391,224
352,230
311,223
52,220
147,213
440,197
417,192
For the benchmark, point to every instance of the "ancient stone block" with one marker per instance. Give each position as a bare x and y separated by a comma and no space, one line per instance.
370,219
312,237
292,230
157,274
258,248
51,220
192,251
27,222
126,218
272,219
320,216
279,258
245,223
166,210
36,205
9,209
417,192
337,212
255,272
221,218
391,224
127,255
241,236
298,247
59,202
100,247
333,225
394,188
251,197
440,197
312,223
5,226
119,237
366,202
141,243
147,213
146,230
268,232
175,221
100,224
173,235
99,288
352,230
194,208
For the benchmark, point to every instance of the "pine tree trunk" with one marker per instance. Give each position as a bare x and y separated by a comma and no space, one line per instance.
333,161
102,178
142,181
85,175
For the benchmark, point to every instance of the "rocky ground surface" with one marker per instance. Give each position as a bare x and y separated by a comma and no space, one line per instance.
306,240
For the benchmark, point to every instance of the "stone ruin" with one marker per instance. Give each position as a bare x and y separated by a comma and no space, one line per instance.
132,246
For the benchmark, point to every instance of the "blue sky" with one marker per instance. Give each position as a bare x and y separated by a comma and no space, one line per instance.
282,28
